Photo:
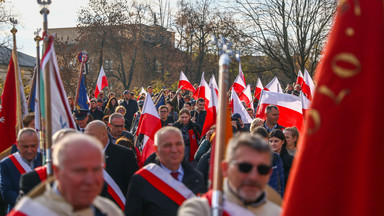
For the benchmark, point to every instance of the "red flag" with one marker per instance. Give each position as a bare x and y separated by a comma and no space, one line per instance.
246,96
274,86
185,84
338,168
102,82
203,91
149,124
210,118
238,85
259,87
300,78
213,83
8,109
308,87
305,103
290,108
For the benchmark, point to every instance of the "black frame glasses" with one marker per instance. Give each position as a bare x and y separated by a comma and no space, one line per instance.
245,167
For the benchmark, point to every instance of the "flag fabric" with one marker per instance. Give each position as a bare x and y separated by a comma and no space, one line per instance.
308,87
259,87
246,96
300,78
203,91
348,181
305,103
213,83
239,108
82,101
290,108
102,82
238,85
241,74
23,100
61,113
149,124
274,86
142,91
210,118
32,94
185,84
8,108
160,101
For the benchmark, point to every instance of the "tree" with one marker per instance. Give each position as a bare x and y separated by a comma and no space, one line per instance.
289,32
6,12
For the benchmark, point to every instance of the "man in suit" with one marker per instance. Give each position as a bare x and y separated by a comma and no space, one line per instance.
120,162
161,187
19,163
130,107
81,119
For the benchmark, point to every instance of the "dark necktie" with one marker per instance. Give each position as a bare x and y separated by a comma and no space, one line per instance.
175,175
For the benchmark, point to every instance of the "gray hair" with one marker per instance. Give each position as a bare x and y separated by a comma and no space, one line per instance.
60,134
165,130
115,115
245,139
269,108
72,141
27,131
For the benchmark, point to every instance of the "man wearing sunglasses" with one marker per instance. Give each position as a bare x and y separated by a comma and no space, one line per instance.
246,168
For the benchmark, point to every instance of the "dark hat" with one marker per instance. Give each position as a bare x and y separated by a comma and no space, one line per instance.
80,114
126,92
99,100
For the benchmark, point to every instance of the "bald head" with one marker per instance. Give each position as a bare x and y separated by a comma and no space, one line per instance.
98,130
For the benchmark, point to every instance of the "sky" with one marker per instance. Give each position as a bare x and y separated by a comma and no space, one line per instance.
62,13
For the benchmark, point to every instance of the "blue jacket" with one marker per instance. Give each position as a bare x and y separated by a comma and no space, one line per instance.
277,181
10,180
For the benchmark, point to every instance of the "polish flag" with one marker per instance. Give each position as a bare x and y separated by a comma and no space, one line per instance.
304,102
300,78
210,118
102,82
241,74
259,87
246,96
142,91
185,84
274,86
239,108
213,83
238,85
308,87
149,124
203,91
290,108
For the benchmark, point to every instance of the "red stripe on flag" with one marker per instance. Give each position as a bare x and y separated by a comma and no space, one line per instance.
148,125
186,85
17,164
42,172
162,186
287,118
16,213
116,197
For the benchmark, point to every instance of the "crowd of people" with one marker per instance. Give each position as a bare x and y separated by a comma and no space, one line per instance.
98,167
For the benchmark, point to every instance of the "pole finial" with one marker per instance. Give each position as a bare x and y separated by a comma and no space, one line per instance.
36,33
44,2
14,23
225,49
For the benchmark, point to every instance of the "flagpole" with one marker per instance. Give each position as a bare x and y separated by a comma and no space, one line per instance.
19,119
48,112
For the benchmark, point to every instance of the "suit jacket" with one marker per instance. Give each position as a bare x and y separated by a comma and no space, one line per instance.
144,199
10,178
131,108
121,164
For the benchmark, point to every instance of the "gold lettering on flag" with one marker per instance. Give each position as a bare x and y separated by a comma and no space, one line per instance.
331,94
348,58
315,116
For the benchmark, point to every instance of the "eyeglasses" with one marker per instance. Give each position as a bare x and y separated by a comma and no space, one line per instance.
245,167
118,126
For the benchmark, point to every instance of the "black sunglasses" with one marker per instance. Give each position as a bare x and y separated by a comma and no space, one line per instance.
245,167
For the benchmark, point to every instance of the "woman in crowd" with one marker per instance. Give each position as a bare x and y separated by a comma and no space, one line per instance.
291,135
279,145
191,133
111,106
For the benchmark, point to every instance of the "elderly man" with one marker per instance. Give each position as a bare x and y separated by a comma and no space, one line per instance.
120,162
161,187
78,180
247,168
19,163
116,125
270,123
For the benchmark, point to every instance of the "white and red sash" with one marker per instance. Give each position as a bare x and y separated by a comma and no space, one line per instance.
165,183
19,163
114,190
229,208
28,206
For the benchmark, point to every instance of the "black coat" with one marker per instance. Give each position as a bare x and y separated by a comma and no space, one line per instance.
144,199
200,117
131,108
97,114
287,160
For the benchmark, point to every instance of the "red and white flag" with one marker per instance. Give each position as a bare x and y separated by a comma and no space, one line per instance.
241,74
246,96
300,78
149,124
203,91
290,108
102,82
304,102
142,91
259,87
210,118
213,83
239,108
238,85
308,87
274,86
185,84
